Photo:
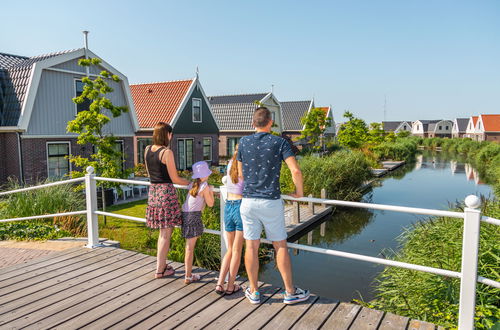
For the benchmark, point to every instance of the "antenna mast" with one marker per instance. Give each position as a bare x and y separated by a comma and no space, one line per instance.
385,107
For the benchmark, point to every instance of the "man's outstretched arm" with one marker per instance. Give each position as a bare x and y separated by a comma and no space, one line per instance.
292,164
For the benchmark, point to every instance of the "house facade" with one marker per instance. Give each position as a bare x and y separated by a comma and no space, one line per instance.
184,105
488,128
470,131
459,127
36,105
432,128
234,115
397,126
329,131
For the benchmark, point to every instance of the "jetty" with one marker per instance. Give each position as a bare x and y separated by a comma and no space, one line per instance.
387,166
300,216
112,288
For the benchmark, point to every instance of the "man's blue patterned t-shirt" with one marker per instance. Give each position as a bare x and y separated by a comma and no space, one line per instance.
261,155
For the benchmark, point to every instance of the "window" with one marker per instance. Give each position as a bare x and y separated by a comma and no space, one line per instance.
120,148
196,111
57,161
85,105
231,145
207,148
447,127
142,143
272,115
404,128
184,153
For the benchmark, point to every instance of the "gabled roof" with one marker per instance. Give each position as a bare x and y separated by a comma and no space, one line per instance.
474,120
15,75
292,112
155,102
462,124
428,125
390,126
235,112
491,123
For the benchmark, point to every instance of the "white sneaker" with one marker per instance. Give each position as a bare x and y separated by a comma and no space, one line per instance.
254,298
298,296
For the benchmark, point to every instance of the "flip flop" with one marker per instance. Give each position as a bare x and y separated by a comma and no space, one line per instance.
236,288
220,292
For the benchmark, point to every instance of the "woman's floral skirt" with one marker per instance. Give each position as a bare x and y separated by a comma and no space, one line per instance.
163,209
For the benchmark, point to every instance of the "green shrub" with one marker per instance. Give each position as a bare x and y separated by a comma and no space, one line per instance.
400,149
30,230
433,298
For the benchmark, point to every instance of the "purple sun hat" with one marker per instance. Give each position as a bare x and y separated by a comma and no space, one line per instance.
201,170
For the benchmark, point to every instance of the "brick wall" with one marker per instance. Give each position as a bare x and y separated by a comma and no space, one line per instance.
34,155
223,141
9,157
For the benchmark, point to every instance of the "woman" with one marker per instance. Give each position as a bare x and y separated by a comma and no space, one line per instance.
163,211
233,228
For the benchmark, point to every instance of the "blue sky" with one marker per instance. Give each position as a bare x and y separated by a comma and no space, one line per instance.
430,59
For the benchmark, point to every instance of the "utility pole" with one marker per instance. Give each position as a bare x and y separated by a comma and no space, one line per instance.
385,107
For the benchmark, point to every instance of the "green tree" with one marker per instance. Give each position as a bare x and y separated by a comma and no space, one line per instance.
315,124
403,134
353,133
376,133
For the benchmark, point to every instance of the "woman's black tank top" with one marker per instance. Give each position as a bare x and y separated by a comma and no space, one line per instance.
157,170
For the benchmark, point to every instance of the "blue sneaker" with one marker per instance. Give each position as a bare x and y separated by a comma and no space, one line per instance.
254,298
298,296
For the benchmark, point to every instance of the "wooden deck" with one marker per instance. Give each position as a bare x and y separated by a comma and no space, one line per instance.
111,288
300,216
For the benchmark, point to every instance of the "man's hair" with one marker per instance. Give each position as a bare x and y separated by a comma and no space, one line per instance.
261,117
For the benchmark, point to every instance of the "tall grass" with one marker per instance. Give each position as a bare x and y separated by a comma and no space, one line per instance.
49,200
341,174
400,149
437,242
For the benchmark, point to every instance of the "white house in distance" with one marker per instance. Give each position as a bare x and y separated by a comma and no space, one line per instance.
488,128
459,127
432,128
396,126
470,131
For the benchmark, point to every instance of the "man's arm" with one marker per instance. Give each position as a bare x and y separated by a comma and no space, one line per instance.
292,164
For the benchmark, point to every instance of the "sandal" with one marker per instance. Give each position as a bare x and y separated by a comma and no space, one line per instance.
236,288
166,272
193,278
221,292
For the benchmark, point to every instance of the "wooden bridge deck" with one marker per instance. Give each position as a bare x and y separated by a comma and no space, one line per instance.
111,288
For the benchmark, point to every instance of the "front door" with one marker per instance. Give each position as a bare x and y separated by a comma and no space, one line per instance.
184,153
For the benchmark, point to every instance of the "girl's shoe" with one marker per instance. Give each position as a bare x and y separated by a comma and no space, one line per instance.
236,288
254,297
219,291
193,278
298,296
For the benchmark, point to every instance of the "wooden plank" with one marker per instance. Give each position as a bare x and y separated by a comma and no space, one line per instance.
187,312
367,319
342,317
316,315
117,301
263,313
43,262
393,321
73,306
56,276
121,307
75,286
290,314
36,274
210,313
166,308
420,325
230,318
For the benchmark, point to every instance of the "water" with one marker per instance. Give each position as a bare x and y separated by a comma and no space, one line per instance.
431,182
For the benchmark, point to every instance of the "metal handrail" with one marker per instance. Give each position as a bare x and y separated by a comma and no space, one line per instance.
55,215
57,183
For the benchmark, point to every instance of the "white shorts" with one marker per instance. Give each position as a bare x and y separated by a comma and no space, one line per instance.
258,213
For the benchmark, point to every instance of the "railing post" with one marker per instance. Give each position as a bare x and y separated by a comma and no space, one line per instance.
470,249
311,204
295,212
91,197
223,243
323,196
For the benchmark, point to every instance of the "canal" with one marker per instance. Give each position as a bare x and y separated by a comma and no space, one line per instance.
432,181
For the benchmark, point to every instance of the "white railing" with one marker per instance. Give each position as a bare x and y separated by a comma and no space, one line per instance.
472,217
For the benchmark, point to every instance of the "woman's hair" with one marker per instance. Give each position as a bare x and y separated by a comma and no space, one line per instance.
233,172
196,186
160,134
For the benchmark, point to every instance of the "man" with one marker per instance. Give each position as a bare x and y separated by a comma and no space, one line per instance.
259,159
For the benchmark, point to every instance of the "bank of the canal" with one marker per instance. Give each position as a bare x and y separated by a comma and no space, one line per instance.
432,181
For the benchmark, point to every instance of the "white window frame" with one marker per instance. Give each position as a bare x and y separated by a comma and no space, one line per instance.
185,153
192,110
47,154
203,148
123,152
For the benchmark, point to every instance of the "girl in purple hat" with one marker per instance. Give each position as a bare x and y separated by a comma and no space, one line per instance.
199,195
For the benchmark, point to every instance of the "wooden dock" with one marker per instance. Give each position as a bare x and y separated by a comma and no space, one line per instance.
111,288
300,216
